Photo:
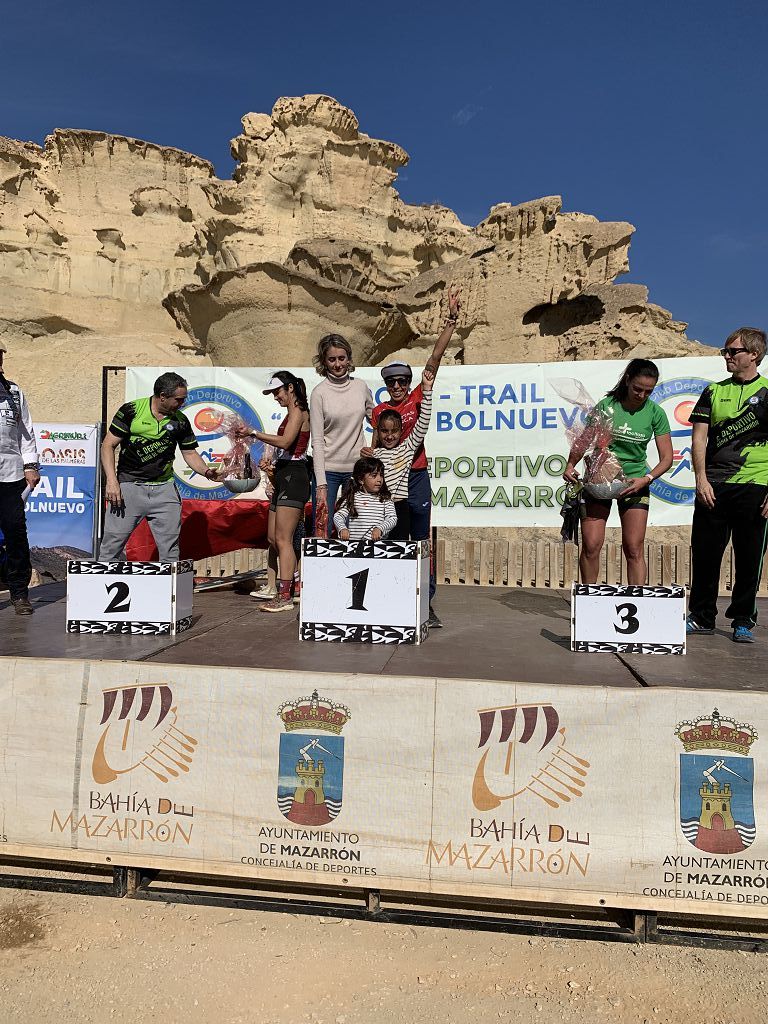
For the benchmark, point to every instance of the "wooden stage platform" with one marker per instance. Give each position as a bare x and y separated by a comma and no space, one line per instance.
490,633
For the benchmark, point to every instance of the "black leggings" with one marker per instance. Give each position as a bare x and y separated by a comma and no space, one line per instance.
403,529
14,527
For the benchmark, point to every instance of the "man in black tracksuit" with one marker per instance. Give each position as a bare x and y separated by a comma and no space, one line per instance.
730,460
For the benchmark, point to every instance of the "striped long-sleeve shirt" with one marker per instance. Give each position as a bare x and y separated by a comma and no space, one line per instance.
371,512
398,461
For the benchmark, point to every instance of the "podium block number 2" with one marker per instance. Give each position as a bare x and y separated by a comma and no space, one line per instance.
359,583
121,599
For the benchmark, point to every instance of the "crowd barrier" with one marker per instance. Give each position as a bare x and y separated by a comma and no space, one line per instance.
501,563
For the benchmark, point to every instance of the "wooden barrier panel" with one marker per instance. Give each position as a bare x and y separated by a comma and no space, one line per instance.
570,795
503,563
552,564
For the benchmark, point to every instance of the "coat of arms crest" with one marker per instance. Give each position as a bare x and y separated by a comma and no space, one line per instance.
717,813
311,766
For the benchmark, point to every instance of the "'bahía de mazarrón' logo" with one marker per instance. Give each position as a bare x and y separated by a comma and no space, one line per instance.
677,398
524,751
717,813
206,409
311,761
140,730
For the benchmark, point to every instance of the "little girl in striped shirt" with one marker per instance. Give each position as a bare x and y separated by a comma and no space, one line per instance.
365,510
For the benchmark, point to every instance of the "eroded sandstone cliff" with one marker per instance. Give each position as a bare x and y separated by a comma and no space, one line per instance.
114,250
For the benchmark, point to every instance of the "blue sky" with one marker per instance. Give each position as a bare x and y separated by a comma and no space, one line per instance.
652,113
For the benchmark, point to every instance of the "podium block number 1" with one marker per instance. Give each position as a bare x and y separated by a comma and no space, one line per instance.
359,583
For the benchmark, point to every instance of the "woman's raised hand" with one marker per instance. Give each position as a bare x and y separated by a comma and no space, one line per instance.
427,378
454,301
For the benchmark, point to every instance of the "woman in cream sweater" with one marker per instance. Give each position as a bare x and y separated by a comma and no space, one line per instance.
338,407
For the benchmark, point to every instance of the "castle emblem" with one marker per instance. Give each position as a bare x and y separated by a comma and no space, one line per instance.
717,813
311,763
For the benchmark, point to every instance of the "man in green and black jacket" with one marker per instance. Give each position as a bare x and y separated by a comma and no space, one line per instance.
730,460
148,431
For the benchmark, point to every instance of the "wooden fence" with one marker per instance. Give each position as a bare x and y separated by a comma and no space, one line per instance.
501,563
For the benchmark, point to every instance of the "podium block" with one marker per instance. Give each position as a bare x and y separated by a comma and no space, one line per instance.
627,619
374,592
138,598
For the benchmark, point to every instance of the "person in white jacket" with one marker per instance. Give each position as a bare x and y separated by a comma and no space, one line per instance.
19,470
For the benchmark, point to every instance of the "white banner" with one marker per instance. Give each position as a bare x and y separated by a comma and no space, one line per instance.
576,795
497,445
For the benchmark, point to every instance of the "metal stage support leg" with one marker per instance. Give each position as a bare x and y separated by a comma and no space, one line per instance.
373,902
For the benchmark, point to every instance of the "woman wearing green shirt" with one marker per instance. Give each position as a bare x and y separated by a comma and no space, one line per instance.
635,420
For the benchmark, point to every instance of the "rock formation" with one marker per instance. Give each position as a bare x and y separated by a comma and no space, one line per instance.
102,237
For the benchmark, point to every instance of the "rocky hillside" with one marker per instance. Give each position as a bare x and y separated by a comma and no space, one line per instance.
118,251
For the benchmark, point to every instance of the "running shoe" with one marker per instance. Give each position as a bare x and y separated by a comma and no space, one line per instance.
743,635
264,593
692,626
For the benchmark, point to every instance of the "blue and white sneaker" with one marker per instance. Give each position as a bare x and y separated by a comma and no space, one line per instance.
692,626
743,635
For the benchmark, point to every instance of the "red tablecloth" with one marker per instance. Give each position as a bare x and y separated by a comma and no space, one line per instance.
208,528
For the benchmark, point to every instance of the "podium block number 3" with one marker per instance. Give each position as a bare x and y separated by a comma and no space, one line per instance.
121,600
628,621
359,583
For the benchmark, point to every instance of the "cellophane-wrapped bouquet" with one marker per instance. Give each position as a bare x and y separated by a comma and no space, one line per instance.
603,475
236,463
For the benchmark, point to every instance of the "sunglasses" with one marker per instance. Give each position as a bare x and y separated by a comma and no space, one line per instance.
731,351
402,381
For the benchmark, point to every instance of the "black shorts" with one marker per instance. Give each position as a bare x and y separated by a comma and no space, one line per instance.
600,508
291,484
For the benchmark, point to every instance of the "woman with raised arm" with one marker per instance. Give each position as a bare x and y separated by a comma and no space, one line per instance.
339,406
634,420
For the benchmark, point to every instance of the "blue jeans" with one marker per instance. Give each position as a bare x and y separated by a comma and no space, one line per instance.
420,505
335,482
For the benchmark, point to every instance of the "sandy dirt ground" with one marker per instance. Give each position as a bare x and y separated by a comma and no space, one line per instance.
95,959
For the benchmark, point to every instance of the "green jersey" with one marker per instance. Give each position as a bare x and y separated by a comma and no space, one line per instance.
147,445
632,431
737,441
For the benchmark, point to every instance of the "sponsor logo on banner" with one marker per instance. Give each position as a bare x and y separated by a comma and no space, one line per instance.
141,731
677,398
207,409
63,435
139,736
717,813
311,760
529,744
524,759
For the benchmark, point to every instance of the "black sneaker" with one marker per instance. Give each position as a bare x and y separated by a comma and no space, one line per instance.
22,606
692,626
433,622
